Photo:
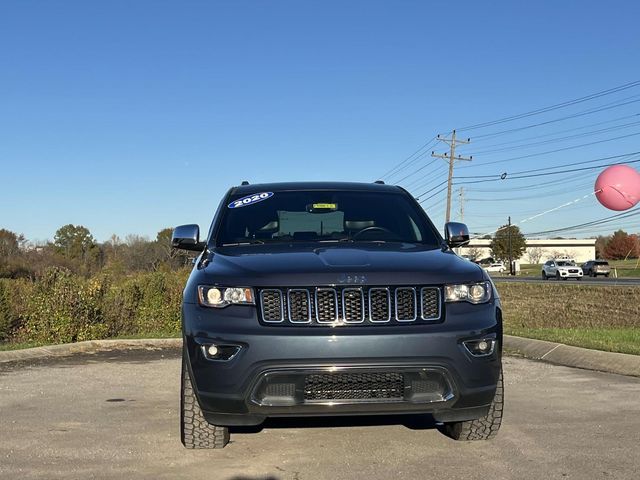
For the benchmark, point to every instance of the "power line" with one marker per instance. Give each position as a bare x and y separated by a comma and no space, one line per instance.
559,139
582,162
400,166
531,155
554,107
601,108
543,135
601,221
415,171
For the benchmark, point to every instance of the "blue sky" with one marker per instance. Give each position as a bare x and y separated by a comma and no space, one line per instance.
127,117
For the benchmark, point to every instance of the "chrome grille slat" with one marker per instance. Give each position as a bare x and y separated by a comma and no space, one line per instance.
379,305
326,300
406,304
353,305
299,305
350,305
272,307
430,304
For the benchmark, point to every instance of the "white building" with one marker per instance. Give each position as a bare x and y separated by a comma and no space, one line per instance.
539,251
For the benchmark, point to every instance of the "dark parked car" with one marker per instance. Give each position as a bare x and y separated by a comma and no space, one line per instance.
593,268
312,299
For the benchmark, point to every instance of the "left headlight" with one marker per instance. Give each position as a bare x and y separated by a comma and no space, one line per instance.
219,297
468,292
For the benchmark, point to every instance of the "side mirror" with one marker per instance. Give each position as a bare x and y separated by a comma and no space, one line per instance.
187,237
456,234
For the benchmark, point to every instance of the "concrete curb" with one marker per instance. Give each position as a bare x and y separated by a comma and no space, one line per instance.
561,354
552,352
88,346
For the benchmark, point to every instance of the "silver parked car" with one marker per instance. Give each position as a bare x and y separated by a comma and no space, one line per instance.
593,268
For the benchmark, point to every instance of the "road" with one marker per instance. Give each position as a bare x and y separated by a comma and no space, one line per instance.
611,282
115,415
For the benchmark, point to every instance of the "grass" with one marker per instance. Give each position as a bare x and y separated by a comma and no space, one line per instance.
599,317
19,345
591,316
622,340
625,268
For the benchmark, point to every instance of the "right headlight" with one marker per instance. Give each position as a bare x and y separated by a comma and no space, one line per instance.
468,292
219,297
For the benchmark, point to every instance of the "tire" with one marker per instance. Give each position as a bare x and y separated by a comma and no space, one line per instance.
544,276
484,428
558,276
606,275
579,279
195,431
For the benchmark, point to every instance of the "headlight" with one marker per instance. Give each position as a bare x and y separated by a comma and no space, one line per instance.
472,292
219,297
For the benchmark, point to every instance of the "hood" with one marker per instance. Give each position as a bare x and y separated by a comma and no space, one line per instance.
357,264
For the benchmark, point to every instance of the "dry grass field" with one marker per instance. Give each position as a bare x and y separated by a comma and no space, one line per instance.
604,318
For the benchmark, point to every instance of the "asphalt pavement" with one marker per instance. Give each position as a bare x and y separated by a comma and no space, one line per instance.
115,415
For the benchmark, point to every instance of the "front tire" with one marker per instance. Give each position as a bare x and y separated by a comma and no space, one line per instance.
544,276
484,428
195,431
558,276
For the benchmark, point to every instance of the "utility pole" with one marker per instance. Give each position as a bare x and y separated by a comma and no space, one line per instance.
461,198
510,254
451,157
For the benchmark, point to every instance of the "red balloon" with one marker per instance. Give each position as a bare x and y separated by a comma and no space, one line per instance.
618,187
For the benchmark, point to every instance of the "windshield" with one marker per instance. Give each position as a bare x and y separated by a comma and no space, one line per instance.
323,216
566,264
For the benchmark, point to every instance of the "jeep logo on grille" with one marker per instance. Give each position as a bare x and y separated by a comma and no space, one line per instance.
350,278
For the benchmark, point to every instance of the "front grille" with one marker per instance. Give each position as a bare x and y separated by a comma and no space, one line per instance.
406,308
299,305
350,305
573,270
353,386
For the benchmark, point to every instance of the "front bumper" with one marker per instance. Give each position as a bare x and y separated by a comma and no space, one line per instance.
567,274
271,373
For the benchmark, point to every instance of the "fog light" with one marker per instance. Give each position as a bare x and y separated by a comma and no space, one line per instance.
480,348
222,352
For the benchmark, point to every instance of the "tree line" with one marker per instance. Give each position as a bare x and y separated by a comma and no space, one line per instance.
74,248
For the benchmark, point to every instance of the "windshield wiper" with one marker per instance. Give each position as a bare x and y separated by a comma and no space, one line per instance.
238,244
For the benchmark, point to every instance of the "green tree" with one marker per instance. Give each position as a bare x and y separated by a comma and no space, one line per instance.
74,242
10,243
500,243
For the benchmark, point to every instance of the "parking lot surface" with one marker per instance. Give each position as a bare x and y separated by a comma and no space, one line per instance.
115,415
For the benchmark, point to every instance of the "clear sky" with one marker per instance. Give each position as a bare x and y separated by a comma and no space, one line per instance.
130,116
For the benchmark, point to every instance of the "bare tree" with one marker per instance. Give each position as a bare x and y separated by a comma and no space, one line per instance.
474,253
535,254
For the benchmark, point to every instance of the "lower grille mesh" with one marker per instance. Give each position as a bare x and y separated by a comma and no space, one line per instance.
353,386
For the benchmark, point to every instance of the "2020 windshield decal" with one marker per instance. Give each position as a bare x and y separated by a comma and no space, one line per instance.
250,200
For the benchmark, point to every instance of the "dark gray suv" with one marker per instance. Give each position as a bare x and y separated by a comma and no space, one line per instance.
312,299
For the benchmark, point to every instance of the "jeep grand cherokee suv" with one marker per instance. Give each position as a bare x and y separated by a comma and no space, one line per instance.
312,299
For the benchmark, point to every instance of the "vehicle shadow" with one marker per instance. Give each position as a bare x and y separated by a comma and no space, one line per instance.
412,422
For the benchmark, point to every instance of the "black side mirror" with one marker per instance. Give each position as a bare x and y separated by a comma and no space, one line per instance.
456,234
187,237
